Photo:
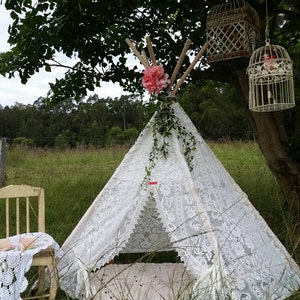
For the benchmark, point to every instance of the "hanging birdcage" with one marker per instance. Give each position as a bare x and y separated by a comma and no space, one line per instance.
271,85
232,33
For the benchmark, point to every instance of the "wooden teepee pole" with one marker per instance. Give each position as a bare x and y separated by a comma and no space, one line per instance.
151,51
179,63
137,53
144,55
189,69
144,60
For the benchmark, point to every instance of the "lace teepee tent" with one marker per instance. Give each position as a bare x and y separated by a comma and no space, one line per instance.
190,205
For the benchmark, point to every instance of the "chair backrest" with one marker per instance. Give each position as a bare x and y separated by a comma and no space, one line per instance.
24,209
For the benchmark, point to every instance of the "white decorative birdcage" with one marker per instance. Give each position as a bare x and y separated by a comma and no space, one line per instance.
232,32
271,84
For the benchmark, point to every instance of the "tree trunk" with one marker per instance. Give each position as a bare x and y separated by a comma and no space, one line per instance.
273,142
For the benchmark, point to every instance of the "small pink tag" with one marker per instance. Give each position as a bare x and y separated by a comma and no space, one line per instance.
152,182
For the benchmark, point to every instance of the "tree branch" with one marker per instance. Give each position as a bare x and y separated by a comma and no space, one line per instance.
209,74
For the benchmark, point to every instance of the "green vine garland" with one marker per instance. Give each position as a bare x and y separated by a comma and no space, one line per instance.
165,121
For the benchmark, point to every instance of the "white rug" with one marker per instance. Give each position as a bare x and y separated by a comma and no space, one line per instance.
142,281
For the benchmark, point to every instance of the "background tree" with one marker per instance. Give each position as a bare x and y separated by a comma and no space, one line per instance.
69,124
216,111
94,33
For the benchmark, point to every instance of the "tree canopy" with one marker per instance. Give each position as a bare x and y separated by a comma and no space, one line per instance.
94,32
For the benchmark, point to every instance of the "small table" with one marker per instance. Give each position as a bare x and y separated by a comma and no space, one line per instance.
16,259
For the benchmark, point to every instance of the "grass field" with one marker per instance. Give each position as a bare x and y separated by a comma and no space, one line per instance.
73,178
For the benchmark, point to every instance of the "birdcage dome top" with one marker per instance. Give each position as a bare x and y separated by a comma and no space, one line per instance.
228,6
270,60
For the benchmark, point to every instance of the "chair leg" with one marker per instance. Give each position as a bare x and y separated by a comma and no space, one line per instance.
53,281
41,280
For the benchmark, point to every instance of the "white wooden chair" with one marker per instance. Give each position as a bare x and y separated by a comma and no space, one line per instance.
25,213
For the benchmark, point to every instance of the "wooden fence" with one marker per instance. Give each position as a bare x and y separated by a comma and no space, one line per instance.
3,151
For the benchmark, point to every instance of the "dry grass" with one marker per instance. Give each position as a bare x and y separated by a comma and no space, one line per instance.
73,178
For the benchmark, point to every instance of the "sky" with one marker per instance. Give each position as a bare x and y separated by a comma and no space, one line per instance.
12,91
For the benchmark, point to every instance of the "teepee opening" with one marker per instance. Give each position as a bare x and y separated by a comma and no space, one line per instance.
149,234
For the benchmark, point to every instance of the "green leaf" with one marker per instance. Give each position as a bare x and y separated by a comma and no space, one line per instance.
47,68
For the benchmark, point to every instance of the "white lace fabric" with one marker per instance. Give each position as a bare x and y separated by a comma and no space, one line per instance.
16,262
203,214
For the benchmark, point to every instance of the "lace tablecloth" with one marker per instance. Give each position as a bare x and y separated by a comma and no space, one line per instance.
16,259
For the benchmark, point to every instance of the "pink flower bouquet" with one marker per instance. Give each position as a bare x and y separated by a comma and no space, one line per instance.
155,79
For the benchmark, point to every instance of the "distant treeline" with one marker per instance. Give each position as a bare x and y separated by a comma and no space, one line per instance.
104,122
